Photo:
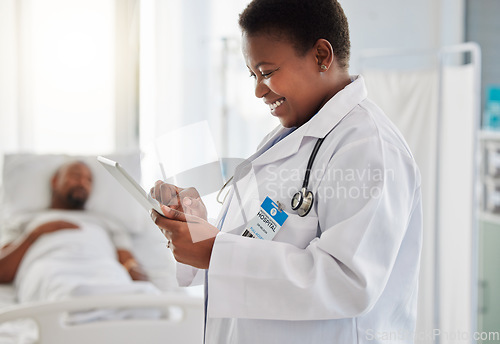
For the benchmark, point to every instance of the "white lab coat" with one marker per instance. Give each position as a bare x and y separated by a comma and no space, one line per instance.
345,273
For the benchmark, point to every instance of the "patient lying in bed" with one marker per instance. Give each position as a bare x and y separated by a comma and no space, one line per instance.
67,251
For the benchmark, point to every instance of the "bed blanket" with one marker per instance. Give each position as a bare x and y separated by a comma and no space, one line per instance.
73,263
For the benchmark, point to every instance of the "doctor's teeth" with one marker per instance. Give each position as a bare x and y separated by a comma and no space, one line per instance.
276,104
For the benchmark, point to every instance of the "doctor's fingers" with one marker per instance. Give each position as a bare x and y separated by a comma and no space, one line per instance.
189,192
186,227
194,206
164,227
176,227
165,193
184,202
174,220
170,218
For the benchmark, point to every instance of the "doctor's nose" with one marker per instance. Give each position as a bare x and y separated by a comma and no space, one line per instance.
261,89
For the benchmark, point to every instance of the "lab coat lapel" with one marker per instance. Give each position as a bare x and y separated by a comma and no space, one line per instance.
287,146
269,142
242,204
241,201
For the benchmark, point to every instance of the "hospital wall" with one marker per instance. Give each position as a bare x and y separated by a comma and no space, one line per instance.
403,25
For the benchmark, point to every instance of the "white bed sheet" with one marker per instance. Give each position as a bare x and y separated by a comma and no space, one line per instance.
22,331
149,248
7,295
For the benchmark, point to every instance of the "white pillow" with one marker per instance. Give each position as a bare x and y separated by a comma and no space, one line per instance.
26,186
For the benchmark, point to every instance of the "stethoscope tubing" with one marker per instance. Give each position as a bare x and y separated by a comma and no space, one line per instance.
312,157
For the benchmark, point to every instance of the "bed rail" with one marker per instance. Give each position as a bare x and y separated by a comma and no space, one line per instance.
184,323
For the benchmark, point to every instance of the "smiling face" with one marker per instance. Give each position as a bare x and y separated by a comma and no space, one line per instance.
290,84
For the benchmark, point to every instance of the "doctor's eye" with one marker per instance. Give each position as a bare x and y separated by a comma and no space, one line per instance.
252,75
268,74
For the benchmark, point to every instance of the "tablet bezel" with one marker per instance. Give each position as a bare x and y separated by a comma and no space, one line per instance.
132,187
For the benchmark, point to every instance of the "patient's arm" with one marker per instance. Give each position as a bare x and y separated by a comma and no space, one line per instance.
12,253
126,258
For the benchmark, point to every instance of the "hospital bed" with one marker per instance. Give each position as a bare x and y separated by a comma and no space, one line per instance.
179,317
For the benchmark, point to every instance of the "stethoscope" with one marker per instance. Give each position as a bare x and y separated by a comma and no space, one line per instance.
303,200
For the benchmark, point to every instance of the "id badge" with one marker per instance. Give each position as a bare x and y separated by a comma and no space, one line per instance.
268,221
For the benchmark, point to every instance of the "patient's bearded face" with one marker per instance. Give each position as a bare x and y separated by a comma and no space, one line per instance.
73,185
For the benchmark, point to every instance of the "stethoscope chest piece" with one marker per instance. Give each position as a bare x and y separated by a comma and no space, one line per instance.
302,202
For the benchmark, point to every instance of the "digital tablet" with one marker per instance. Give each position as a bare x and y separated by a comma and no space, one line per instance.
133,188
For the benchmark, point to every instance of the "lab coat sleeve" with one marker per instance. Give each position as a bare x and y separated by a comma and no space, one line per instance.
188,276
342,273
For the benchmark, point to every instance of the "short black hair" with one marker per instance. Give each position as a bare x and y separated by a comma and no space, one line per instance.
302,22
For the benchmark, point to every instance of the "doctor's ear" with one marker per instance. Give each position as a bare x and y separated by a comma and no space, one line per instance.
324,54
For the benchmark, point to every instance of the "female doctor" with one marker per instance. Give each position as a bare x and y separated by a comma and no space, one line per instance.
342,267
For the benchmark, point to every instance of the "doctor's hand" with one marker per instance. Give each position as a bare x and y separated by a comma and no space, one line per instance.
191,238
186,200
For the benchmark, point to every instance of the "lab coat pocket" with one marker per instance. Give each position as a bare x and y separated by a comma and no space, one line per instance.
298,231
